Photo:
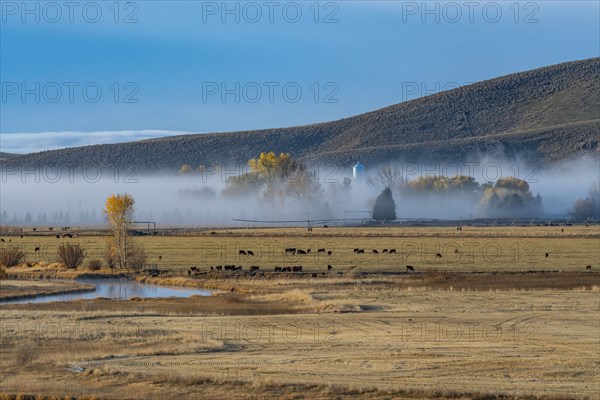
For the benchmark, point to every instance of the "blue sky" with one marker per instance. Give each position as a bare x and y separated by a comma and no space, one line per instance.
164,71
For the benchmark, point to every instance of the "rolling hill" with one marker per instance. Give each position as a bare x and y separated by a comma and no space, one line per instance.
546,115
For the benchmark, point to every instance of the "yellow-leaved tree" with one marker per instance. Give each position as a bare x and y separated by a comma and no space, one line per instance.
119,214
272,166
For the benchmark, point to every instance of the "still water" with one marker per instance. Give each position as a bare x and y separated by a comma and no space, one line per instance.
118,289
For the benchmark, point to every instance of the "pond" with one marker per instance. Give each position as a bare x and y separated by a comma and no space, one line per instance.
118,289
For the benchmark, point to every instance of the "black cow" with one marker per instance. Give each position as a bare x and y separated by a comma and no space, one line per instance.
321,251
329,268
375,251
329,252
410,268
250,252
392,251
242,253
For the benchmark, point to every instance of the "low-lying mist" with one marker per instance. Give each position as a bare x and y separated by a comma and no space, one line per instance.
76,198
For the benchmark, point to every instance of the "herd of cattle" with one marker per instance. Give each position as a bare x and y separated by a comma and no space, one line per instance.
194,271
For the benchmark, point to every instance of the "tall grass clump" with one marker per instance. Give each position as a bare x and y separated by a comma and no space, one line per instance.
11,256
72,255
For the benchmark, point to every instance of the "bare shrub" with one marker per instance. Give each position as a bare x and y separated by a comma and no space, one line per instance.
94,265
72,255
11,256
137,258
25,353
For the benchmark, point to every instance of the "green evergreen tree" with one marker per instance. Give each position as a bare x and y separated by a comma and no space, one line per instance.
385,206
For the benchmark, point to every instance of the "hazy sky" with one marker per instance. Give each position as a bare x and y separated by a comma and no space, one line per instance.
165,67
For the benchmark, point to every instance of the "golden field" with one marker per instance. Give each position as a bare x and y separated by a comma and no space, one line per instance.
510,330
472,249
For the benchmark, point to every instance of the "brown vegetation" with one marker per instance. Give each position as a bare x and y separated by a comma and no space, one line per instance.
71,255
11,256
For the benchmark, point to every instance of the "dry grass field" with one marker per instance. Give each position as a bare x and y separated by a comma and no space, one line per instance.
569,248
506,331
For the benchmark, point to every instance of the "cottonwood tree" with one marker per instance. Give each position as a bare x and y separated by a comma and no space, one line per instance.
387,176
588,208
119,214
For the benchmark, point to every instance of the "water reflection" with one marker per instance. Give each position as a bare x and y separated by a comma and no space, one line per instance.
115,289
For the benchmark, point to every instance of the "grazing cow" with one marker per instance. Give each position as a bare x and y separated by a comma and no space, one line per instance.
307,251
159,258
37,249
154,233
360,251
300,252
547,254
297,268
329,268
438,255
58,236
189,272
21,236
194,268
356,250
2,240
34,229
51,228
212,268
329,252
250,252
277,269
321,251
325,226
392,251
290,250
242,253
375,251
238,268
455,251
314,275
254,268
68,235
588,268
410,268
219,267
385,251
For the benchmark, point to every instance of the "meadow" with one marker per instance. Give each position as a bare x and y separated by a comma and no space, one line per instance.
485,328
473,249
